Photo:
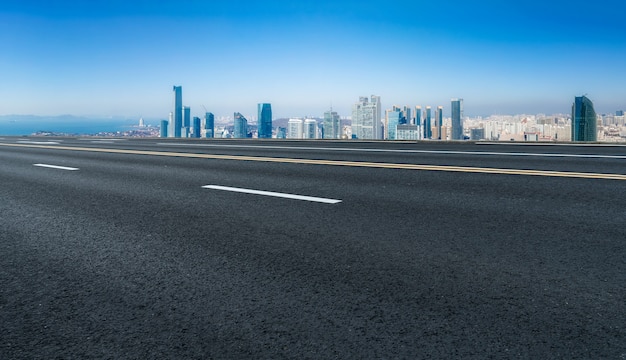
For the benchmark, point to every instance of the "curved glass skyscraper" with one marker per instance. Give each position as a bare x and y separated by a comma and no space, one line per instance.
264,121
241,126
584,120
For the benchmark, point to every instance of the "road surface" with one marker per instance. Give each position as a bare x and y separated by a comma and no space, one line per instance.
172,248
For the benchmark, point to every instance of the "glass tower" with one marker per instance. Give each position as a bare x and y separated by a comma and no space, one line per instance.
428,131
163,129
439,121
241,126
457,114
209,125
177,119
265,121
196,127
584,120
332,125
393,119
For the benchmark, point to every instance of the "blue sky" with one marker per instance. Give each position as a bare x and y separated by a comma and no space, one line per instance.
103,58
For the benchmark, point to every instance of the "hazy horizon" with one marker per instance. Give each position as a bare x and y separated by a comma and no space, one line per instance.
121,58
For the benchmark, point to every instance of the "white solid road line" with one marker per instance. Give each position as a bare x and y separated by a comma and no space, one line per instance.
56,167
38,142
406,151
274,194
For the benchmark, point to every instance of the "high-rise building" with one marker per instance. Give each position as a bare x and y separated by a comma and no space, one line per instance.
163,129
418,115
428,131
393,118
332,125
209,125
170,125
378,113
240,130
195,133
366,118
406,116
439,121
176,122
186,119
584,120
310,129
619,113
264,121
294,129
457,115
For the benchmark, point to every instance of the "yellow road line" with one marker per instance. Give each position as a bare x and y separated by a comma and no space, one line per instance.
466,169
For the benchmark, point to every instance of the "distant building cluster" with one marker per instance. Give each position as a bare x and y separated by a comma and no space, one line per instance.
401,123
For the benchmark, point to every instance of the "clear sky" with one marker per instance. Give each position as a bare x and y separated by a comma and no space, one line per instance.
121,57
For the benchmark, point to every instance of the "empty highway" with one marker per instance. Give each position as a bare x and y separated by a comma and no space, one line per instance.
174,248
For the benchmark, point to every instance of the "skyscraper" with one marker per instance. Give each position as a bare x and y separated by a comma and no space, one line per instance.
195,133
406,115
294,129
393,118
310,129
332,125
186,120
457,115
428,131
366,118
439,121
163,129
240,130
418,115
177,123
170,125
264,121
378,113
584,120
209,125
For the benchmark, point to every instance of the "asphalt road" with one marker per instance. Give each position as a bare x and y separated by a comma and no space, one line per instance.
434,250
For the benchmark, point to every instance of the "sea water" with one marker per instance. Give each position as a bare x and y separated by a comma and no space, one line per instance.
23,127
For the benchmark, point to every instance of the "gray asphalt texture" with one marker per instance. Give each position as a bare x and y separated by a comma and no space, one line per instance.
130,257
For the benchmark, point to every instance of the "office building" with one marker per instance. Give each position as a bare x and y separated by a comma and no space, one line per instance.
163,129
439,121
407,132
366,116
332,125
176,121
186,119
310,129
294,129
281,133
418,116
209,125
393,118
457,115
428,131
195,129
619,113
584,120
477,134
264,121
406,116
240,130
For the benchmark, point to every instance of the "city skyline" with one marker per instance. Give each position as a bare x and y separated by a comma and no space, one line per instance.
113,58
